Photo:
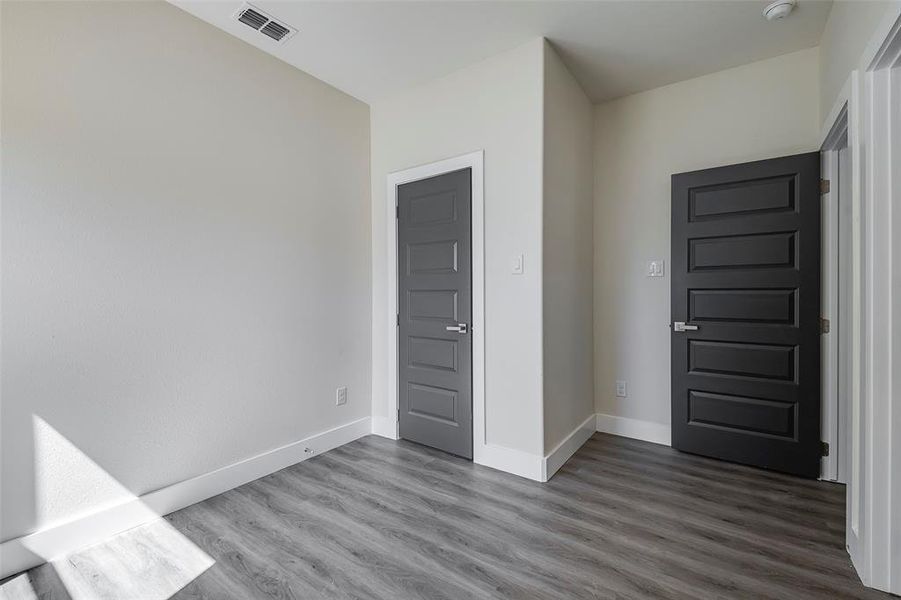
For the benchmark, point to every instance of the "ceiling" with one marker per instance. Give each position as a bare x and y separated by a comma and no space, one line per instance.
371,49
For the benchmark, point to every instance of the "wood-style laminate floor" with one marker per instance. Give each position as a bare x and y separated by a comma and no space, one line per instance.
384,519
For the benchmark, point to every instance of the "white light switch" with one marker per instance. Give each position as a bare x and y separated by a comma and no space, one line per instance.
517,265
655,268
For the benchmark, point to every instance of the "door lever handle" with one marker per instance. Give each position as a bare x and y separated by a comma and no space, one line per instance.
459,328
680,326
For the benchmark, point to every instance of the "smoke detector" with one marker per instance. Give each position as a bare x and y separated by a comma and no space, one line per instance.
256,19
778,9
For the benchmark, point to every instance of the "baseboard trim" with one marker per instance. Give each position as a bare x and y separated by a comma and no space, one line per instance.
647,431
565,449
22,553
508,460
385,427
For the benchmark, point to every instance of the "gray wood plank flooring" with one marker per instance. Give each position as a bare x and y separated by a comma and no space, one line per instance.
384,519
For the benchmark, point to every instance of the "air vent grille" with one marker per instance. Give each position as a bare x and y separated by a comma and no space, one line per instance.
260,21
253,18
275,31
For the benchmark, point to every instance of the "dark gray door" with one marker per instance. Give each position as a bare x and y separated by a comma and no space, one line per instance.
435,312
746,275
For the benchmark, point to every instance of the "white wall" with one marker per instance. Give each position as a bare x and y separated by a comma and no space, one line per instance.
567,252
185,254
848,31
761,110
496,106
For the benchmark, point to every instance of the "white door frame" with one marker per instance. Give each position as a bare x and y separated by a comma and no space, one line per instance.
872,95
833,429
881,554
849,102
474,161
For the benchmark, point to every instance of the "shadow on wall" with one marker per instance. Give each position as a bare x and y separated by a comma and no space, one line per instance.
150,562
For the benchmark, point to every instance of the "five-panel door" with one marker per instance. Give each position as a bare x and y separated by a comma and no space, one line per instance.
435,312
745,307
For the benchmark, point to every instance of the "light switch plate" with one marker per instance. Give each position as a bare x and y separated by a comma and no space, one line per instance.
341,396
620,389
655,268
518,264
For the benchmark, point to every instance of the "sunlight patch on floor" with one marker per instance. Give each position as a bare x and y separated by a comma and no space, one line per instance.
18,588
150,562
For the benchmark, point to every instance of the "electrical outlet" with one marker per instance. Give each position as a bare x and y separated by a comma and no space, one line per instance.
620,389
341,396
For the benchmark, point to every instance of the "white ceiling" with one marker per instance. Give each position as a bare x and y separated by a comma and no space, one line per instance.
370,49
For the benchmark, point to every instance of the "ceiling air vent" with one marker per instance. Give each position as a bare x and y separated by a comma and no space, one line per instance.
260,21
249,16
275,31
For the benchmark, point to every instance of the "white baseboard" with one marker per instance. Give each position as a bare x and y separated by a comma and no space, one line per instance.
634,428
31,550
509,460
384,427
565,449
501,458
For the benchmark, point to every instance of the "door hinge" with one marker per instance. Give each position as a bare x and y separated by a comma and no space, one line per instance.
398,319
824,325
397,212
824,448
824,186
398,415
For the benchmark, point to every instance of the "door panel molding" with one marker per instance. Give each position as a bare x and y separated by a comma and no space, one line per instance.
435,293
746,281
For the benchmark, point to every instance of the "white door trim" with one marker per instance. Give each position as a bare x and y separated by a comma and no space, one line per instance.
833,429
873,532
881,89
474,161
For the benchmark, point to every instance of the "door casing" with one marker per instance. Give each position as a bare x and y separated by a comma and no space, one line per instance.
387,426
835,350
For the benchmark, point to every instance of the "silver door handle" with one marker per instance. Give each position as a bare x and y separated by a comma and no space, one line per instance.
680,326
459,328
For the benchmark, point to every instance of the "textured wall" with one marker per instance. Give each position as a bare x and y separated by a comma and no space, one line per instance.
567,252
850,26
185,254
